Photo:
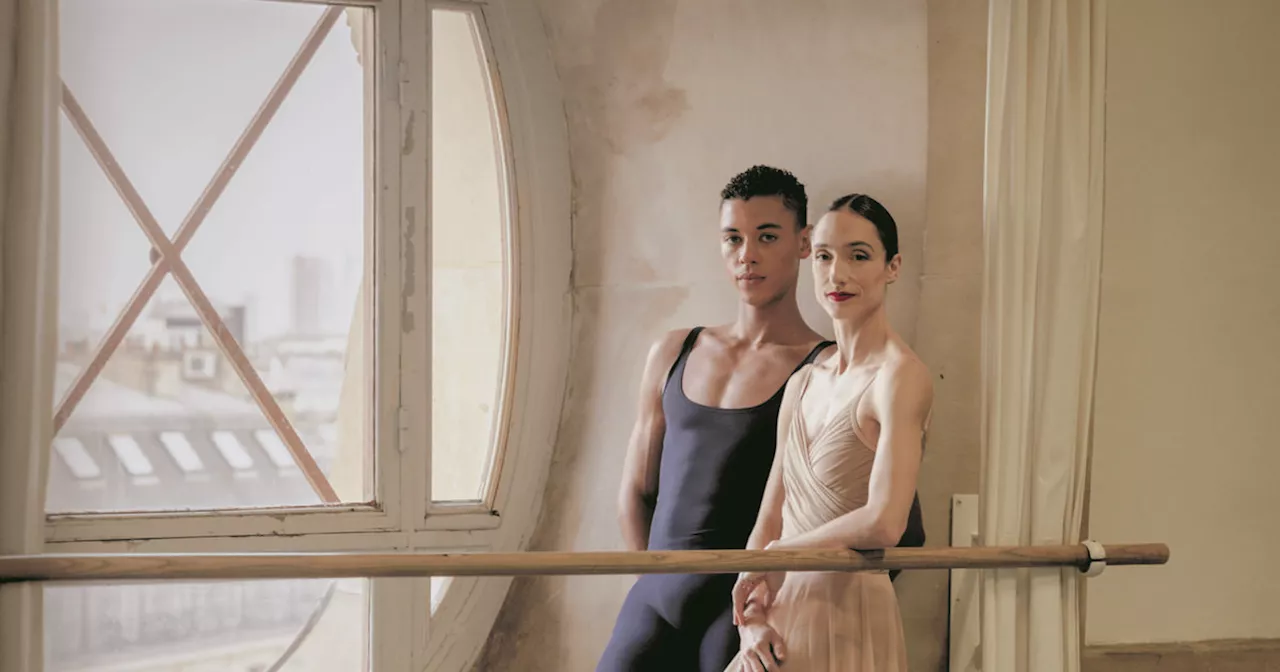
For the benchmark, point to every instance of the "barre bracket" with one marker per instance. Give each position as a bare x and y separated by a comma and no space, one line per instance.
1097,558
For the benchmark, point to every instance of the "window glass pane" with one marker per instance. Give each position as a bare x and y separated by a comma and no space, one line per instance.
439,585
208,627
281,249
76,457
274,447
468,275
130,454
181,451
232,451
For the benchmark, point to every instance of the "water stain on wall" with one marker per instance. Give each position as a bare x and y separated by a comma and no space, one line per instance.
613,69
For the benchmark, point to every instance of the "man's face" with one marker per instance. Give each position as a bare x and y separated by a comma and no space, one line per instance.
762,246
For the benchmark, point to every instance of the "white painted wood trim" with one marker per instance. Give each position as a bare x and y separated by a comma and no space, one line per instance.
403,31
28,310
71,529
539,160
965,625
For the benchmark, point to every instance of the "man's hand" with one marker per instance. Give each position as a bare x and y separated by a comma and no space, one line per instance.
762,648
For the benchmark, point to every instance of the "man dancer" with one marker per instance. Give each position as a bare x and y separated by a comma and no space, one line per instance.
703,444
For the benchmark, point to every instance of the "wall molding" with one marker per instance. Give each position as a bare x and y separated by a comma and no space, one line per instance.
1244,655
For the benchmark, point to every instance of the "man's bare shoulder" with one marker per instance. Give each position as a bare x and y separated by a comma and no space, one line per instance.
666,348
718,334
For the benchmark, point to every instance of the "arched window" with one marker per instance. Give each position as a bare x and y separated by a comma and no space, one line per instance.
313,296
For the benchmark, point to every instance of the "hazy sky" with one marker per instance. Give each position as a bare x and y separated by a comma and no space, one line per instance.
170,86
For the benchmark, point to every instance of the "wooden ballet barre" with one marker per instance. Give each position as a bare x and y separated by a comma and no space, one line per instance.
195,566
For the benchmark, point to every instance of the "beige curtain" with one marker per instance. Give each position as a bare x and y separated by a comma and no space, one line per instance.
1040,308
28,301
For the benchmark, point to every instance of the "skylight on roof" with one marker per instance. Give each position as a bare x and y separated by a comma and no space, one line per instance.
181,451
130,454
76,457
232,450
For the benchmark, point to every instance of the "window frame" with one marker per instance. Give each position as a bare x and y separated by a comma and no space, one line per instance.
383,513
406,634
473,514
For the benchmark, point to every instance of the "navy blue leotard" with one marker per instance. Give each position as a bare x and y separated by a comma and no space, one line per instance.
715,463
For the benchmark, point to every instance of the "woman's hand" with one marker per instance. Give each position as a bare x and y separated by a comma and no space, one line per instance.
762,648
760,587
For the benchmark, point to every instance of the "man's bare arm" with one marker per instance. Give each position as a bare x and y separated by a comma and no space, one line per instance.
639,490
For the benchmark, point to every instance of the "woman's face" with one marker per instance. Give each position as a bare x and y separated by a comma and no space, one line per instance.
850,271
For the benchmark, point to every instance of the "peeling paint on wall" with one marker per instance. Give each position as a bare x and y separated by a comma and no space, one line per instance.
409,277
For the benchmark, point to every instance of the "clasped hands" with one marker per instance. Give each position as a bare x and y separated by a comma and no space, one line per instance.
762,645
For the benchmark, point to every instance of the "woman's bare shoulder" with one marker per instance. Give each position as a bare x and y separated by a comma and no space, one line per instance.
904,377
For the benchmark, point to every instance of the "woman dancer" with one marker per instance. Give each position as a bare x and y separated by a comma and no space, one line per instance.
850,437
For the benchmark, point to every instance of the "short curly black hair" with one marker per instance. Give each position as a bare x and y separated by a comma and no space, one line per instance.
770,181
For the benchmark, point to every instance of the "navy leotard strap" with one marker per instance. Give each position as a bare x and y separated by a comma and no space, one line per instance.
813,354
685,349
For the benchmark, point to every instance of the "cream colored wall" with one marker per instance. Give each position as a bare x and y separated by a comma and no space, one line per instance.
1185,449
948,329
665,101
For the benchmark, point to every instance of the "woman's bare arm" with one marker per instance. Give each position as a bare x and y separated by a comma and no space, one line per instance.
901,402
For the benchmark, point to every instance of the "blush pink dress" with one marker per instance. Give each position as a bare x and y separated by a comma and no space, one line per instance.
829,621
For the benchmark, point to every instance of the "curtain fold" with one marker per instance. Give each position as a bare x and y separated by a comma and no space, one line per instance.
29,96
1043,238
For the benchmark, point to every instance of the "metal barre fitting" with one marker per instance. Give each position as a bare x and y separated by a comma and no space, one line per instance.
1088,556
